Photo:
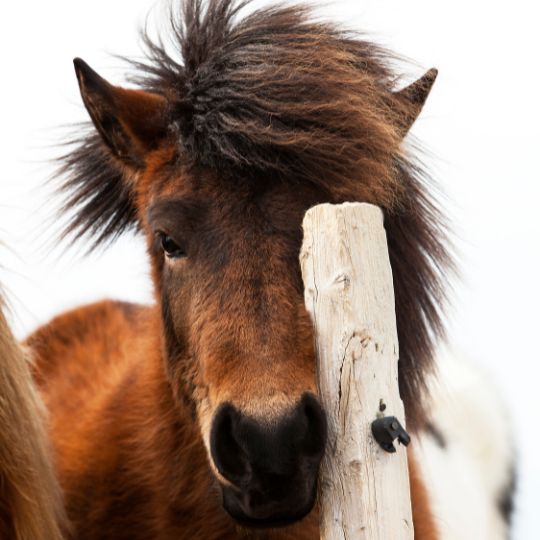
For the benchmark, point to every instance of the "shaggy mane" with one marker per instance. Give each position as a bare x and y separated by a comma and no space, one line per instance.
279,94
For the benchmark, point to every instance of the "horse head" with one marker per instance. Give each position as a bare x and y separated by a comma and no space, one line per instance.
215,158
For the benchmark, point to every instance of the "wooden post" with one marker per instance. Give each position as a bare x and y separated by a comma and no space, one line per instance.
363,490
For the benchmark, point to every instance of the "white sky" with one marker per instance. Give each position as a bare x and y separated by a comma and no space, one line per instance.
481,122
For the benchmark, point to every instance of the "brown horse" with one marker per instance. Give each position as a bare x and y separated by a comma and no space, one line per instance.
197,418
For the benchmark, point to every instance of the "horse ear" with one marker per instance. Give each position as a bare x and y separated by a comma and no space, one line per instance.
130,122
413,98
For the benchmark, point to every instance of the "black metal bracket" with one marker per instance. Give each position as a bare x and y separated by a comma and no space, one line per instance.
386,430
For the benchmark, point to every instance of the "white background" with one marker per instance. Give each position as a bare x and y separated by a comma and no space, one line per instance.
481,125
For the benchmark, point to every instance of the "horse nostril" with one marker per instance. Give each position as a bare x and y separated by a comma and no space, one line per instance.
310,413
227,452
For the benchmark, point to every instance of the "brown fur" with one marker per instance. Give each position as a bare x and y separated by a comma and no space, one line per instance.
424,522
132,464
30,502
221,152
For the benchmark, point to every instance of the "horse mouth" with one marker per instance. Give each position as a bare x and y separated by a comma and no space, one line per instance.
264,518
267,523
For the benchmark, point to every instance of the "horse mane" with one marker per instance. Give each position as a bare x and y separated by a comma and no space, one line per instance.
30,502
280,95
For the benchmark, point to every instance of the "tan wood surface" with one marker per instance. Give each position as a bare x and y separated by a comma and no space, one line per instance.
364,491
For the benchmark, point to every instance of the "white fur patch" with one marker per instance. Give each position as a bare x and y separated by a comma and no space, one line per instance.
466,479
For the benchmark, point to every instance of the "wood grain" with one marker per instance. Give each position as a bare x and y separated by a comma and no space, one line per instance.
364,491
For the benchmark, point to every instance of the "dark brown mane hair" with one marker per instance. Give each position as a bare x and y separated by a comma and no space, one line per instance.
280,96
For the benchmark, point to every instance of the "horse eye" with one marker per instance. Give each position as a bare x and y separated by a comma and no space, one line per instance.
170,247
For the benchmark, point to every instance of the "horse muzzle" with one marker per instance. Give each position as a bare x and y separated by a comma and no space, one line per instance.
271,466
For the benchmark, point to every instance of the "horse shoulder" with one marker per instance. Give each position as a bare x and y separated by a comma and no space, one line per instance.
86,364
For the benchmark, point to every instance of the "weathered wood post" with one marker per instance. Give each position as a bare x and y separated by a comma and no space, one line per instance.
364,491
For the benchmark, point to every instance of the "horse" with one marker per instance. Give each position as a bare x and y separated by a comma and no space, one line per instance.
197,417
30,501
